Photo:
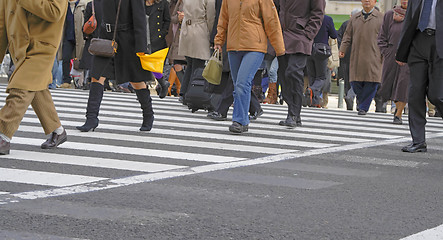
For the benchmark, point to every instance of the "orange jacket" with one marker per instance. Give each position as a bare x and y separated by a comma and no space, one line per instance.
249,24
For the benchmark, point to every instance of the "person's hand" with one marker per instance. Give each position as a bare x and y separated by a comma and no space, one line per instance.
218,47
400,63
181,15
341,54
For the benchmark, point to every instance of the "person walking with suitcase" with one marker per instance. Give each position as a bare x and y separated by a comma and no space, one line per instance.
245,28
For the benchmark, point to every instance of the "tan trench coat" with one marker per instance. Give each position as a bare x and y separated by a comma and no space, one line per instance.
361,36
196,28
32,30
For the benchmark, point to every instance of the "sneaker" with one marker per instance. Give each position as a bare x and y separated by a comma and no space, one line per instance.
65,85
397,120
237,128
298,121
219,117
289,122
256,115
210,114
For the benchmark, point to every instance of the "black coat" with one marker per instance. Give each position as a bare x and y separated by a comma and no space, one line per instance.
131,38
159,21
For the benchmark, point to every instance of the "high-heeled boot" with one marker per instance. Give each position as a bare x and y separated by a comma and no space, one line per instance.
145,100
164,85
94,101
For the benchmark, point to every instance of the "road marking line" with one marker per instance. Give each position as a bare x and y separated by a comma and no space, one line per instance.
216,136
169,141
91,161
4,193
131,150
430,234
114,183
44,178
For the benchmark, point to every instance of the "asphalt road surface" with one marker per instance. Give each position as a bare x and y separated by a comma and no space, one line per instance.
340,176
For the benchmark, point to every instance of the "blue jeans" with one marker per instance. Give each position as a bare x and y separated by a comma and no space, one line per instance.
365,92
272,68
243,66
57,76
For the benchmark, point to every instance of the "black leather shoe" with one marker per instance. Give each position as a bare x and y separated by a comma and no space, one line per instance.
415,147
55,140
256,115
90,124
237,128
298,121
4,147
289,122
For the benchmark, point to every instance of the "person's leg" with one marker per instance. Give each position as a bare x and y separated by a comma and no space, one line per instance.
94,102
321,67
67,50
227,97
296,65
53,85
435,90
145,100
44,108
367,95
11,114
186,78
244,65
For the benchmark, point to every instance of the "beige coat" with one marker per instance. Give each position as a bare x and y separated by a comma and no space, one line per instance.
247,26
32,29
361,36
196,28
78,23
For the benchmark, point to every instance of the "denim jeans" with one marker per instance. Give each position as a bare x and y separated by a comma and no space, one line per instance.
243,66
272,68
57,76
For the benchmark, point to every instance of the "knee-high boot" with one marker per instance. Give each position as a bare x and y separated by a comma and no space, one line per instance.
94,101
164,85
145,100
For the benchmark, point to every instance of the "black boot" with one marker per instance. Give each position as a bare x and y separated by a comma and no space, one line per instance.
145,100
163,90
380,106
94,101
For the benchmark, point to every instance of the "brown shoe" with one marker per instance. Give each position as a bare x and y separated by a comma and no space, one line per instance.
55,140
65,85
4,147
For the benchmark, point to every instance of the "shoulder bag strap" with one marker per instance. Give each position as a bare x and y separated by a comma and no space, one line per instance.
116,20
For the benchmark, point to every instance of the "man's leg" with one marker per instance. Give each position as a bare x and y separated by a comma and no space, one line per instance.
11,114
44,108
295,74
67,50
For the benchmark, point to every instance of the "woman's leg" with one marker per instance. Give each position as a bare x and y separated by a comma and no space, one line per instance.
145,100
93,107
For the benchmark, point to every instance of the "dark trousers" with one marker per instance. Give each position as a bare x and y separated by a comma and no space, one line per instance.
192,64
426,69
228,99
67,53
290,75
365,92
317,73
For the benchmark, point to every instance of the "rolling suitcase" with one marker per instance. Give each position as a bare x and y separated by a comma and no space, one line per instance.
196,98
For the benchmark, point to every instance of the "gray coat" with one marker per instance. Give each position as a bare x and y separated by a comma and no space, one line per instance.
361,36
395,78
300,21
196,28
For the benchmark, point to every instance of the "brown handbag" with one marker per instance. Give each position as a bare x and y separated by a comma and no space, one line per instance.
105,47
90,25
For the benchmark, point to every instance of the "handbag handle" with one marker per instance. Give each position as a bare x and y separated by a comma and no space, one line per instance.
116,21
217,54
93,9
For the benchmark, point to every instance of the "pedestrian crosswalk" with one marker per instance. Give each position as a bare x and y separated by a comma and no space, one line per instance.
180,142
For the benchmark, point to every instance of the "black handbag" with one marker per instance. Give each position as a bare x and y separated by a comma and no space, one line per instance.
105,47
321,50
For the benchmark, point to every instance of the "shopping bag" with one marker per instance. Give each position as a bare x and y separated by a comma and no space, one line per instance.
153,62
213,70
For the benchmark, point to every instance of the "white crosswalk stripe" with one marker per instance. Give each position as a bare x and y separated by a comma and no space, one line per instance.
180,142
